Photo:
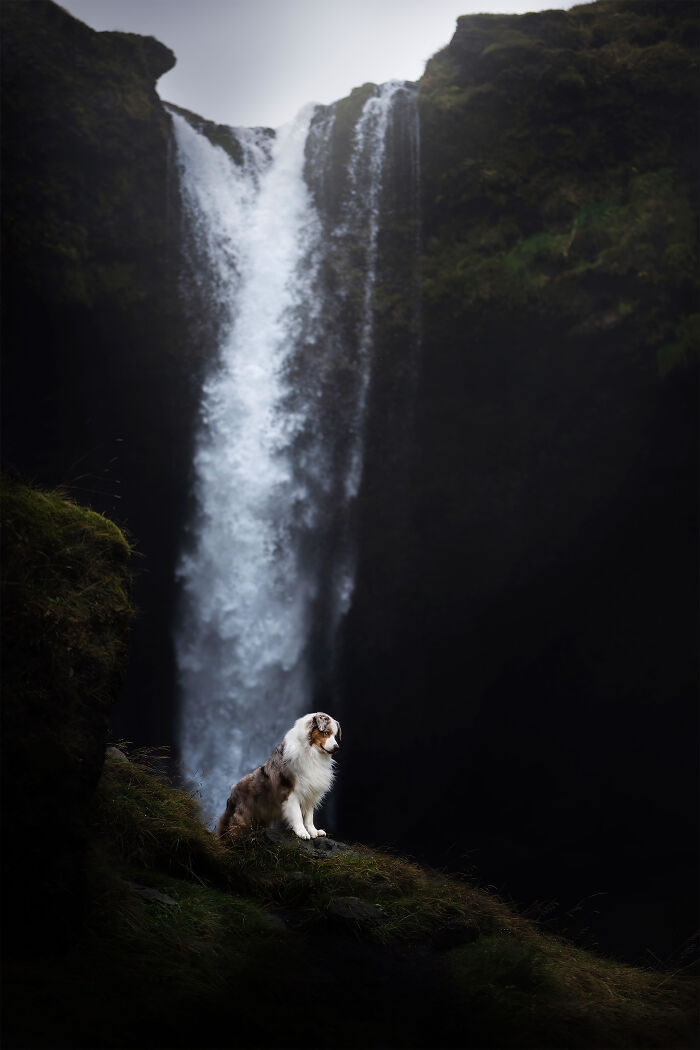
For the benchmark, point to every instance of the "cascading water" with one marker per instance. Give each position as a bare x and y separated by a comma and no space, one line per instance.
268,569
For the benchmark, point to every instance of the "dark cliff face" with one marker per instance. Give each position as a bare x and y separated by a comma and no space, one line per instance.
523,630
96,385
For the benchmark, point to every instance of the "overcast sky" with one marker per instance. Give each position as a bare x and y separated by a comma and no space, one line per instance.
251,62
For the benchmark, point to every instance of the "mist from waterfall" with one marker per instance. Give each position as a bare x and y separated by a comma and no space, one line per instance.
268,565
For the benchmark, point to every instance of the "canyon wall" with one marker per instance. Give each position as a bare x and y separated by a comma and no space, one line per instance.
524,621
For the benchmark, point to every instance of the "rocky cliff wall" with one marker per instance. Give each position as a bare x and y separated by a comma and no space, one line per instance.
66,618
97,383
524,631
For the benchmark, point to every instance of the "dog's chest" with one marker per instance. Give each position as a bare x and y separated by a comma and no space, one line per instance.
312,779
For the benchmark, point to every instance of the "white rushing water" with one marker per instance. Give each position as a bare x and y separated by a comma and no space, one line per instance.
258,562
363,210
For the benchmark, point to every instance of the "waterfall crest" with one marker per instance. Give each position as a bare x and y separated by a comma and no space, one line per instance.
267,570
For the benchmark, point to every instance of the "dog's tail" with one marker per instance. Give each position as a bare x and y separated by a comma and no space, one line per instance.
224,821
229,825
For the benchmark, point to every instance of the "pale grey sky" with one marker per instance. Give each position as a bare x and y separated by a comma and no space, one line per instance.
251,62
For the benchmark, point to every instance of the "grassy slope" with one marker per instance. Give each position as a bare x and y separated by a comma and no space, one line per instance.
217,967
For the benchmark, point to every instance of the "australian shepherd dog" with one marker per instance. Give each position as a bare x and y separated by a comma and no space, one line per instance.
296,776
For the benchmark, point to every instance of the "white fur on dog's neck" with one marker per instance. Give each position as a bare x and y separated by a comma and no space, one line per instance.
313,771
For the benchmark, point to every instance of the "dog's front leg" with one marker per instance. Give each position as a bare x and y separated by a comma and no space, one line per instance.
291,812
308,816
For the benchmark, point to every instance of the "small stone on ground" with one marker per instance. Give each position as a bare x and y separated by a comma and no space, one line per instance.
151,894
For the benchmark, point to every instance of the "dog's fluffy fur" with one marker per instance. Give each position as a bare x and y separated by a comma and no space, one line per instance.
296,776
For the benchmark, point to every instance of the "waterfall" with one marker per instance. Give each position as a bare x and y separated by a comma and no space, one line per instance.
268,565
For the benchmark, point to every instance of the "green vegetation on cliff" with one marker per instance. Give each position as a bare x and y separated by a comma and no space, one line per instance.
568,172
66,618
66,610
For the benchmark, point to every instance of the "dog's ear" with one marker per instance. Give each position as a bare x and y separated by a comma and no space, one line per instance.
339,734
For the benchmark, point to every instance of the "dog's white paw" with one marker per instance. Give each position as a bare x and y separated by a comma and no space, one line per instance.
302,833
320,831
312,832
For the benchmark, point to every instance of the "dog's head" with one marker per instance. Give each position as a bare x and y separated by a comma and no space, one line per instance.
323,732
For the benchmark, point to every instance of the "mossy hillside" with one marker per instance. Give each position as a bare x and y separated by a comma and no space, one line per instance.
148,822
562,184
241,917
66,616
560,174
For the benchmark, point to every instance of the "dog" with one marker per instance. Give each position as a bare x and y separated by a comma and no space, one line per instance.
292,782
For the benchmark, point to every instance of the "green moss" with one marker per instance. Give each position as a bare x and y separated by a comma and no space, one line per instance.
539,195
66,613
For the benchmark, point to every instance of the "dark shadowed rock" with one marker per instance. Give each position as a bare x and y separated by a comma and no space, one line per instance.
149,894
354,913
115,752
320,847
144,53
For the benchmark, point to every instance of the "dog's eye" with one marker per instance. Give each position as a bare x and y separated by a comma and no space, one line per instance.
326,732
